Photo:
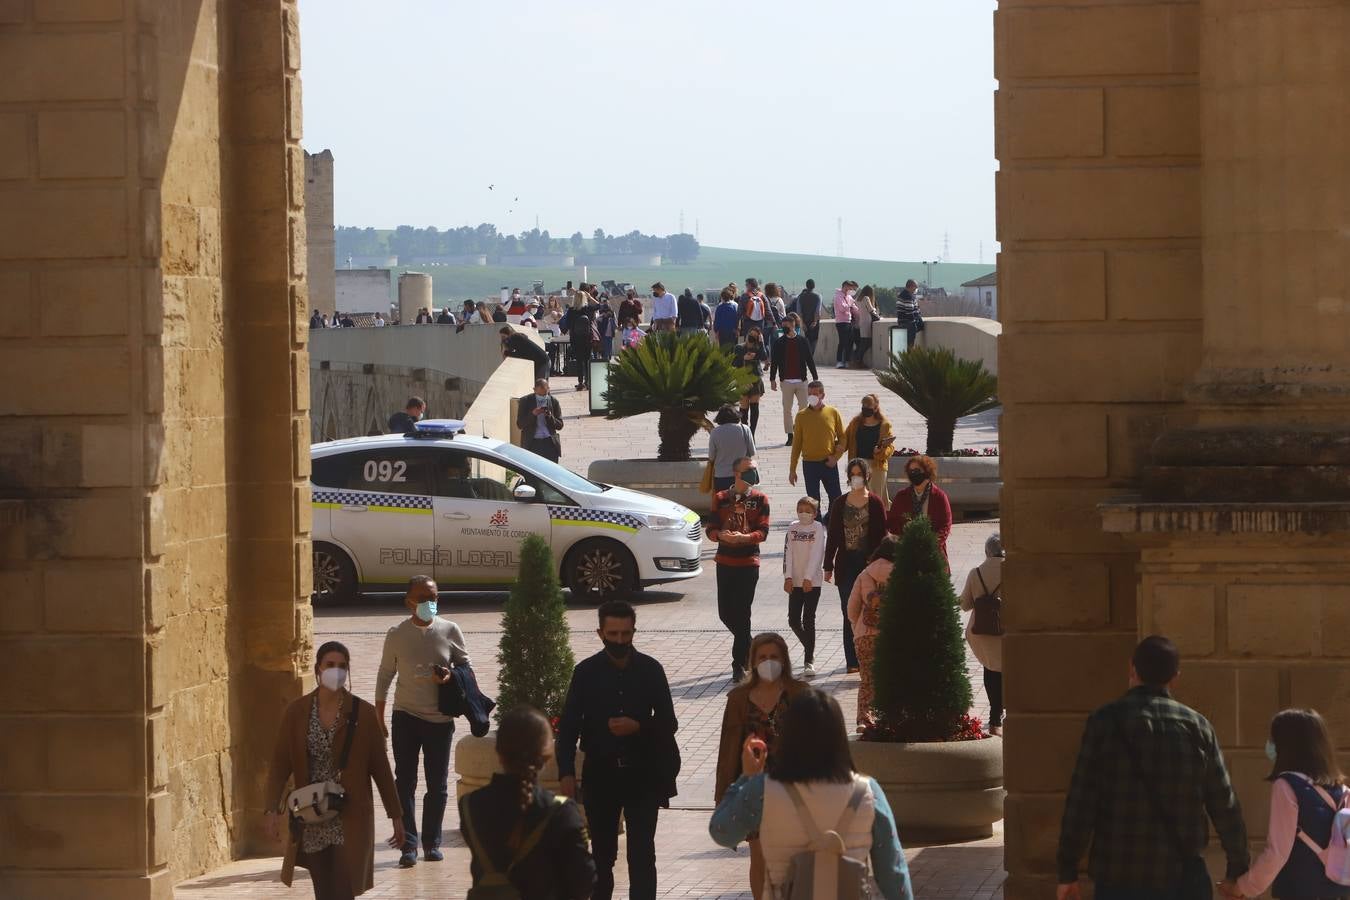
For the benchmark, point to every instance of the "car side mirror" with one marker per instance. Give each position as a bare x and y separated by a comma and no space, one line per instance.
524,492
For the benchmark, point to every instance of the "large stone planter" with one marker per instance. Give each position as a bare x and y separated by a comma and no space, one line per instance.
476,762
678,481
973,483
939,792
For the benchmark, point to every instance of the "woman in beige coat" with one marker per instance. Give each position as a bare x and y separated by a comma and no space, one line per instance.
988,648
339,854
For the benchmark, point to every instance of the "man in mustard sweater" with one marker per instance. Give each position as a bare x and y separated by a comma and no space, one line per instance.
818,440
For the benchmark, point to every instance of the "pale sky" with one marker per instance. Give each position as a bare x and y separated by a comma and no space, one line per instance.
762,121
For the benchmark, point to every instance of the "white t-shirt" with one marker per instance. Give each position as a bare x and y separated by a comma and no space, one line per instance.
804,553
664,307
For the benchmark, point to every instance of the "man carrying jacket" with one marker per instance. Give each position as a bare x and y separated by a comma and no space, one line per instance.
791,356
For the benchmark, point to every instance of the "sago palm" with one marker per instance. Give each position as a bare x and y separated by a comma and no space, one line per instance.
940,387
679,376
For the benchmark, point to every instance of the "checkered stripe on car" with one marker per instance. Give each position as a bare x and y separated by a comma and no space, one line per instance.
597,518
410,503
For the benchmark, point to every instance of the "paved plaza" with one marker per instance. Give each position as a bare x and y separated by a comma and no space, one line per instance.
680,628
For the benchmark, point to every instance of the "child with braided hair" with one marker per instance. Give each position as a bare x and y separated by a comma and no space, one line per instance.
520,833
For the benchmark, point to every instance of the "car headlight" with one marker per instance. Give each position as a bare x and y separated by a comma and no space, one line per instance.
663,523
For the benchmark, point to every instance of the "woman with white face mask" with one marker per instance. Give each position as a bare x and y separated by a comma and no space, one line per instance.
317,731
753,710
855,529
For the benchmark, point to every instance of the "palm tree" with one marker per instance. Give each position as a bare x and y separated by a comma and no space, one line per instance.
941,388
680,376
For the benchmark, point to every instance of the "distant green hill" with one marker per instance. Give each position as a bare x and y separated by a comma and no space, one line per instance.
715,267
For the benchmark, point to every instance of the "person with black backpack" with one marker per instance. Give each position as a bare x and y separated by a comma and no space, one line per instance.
812,809
982,597
526,842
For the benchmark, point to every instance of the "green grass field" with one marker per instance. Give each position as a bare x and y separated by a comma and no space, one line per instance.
715,267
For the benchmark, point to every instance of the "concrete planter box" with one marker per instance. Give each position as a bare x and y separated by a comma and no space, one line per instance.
973,483
939,792
476,763
676,481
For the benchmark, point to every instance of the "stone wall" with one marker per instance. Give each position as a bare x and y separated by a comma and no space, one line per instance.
153,562
361,376
1098,139
320,239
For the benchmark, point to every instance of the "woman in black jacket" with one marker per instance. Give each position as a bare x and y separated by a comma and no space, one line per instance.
519,832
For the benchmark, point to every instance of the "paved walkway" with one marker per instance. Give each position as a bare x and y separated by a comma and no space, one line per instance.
680,627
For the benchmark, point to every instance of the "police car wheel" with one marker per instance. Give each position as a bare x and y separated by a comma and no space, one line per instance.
334,575
600,570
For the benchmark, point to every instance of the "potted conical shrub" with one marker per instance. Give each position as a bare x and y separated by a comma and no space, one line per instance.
942,773
681,378
944,388
535,661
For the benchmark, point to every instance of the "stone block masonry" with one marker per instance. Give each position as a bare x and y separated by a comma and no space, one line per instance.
150,637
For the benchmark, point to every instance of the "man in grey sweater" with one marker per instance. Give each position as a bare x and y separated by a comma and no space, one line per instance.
420,651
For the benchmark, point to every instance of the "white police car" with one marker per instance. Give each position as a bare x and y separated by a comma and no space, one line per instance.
442,503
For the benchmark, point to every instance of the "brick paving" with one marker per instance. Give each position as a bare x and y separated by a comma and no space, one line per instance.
678,625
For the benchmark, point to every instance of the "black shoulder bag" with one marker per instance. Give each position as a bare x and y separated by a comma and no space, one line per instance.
1196,883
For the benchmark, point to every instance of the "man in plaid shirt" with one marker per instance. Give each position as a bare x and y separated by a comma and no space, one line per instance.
1181,776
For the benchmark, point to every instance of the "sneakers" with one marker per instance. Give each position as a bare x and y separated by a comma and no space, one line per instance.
434,854
839,365
408,859
808,671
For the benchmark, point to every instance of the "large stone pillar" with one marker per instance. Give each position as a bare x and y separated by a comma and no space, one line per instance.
153,437
1099,217
1244,517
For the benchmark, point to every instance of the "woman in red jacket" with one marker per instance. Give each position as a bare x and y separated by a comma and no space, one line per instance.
922,498
856,527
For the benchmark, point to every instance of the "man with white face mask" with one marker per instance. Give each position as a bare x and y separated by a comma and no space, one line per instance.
818,441
420,651
739,523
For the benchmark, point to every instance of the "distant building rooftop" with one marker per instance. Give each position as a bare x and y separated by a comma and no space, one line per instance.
982,281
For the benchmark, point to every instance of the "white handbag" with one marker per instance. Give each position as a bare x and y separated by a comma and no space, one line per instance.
322,801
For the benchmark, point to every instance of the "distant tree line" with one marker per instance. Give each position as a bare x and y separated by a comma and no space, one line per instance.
407,241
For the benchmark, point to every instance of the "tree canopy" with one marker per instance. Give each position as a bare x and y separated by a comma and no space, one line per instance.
407,241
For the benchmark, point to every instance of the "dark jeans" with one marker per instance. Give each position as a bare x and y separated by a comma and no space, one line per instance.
812,336
845,350
543,447
329,874
412,736
817,473
607,348
912,330
721,484
541,369
847,566
802,619
607,793
581,357
993,689
735,596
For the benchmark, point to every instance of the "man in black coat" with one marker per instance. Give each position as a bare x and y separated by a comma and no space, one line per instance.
517,345
406,422
619,705
808,307
539,418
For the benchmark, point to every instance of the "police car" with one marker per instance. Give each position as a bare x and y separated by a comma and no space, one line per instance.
442,503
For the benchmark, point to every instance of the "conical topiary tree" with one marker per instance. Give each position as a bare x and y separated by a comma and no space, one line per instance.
535,658
940,387
919,670
679,376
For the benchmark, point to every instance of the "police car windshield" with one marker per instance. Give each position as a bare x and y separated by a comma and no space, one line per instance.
563,478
